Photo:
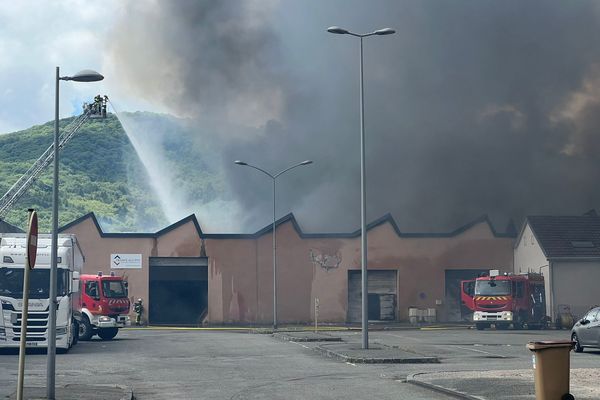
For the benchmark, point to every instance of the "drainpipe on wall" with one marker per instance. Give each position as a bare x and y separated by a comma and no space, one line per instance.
551,277
257,318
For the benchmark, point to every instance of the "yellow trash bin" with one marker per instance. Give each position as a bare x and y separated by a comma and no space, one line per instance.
551,363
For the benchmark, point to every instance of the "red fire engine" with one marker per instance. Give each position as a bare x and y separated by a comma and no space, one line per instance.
506,299
104,306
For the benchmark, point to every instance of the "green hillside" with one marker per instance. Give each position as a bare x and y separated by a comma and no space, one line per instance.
101,172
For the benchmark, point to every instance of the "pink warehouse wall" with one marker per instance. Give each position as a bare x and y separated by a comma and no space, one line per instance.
240,267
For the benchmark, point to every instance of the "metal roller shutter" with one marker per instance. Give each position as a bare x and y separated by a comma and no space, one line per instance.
383,287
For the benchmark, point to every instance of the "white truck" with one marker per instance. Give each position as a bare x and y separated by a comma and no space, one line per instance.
12,263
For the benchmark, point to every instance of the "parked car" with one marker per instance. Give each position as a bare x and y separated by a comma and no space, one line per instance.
586,331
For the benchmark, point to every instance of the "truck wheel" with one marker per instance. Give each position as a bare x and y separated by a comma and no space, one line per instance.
108,333
519,322
85,329
481,326
518,326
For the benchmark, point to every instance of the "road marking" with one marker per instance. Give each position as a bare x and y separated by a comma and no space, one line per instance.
300,344
441,328
349,363
180,328
481,351
237,328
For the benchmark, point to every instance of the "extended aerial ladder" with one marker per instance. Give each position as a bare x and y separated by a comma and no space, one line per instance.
94,110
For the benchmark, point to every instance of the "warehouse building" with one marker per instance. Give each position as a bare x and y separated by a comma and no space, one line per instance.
188,277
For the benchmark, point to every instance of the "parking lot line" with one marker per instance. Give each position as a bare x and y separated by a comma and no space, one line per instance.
481,351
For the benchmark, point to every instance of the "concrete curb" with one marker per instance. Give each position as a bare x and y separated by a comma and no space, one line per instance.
307,328
184,328
440,389
370,360
290,337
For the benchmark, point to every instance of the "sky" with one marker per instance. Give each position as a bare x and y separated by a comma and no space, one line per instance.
471,108
38,36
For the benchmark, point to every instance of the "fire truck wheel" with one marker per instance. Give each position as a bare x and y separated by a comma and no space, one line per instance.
107,333
578,346
85,329
518,325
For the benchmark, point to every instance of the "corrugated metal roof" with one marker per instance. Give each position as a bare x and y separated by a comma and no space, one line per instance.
567,236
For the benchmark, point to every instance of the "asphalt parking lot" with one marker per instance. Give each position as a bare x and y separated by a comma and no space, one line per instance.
195,364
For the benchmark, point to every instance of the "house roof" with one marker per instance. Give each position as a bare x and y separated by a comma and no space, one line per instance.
5,227
289,218
567,236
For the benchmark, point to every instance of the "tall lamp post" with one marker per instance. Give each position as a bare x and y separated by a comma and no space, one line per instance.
274,177
82,76
363,181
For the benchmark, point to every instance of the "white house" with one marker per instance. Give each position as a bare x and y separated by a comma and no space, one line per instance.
566,250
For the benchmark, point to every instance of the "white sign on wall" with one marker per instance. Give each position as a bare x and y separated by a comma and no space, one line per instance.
126,261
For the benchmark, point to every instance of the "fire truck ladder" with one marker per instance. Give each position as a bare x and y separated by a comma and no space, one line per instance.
97,109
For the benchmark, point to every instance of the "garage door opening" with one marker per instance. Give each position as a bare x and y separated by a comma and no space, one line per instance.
382,295
457,311
178,291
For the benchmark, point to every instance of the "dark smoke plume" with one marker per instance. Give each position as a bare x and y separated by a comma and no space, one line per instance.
198,57
471,107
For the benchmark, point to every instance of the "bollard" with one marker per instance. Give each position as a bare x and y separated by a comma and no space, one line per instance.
551,363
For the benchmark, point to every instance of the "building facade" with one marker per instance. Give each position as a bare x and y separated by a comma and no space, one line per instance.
188,277
566,250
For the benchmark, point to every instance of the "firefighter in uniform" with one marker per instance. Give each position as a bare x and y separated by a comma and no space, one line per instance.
138,308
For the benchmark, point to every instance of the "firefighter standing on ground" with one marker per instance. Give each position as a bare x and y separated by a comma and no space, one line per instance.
138,308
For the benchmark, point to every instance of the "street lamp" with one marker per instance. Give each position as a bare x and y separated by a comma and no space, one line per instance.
274,177
82,76
363,181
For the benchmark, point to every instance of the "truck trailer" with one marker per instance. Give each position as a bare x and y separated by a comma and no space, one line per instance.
70,261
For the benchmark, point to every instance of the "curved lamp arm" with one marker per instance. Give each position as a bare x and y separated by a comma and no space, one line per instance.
245,164
306,162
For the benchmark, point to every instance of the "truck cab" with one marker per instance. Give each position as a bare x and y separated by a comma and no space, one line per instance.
104,306
505,300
